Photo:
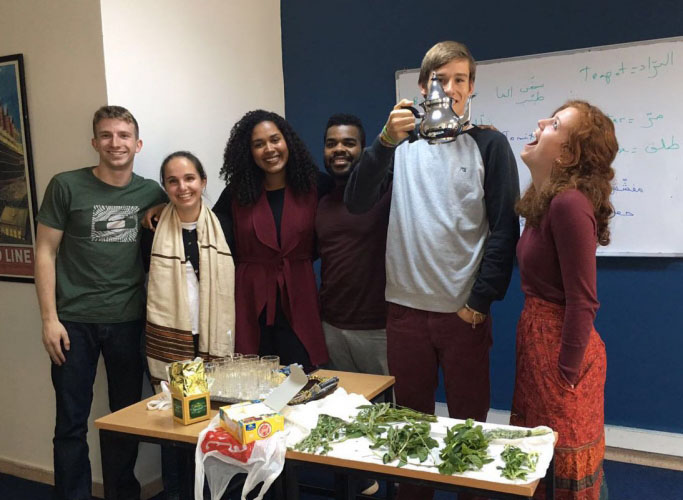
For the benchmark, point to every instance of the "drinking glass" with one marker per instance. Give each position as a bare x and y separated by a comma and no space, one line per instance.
270,364
249,376
210,371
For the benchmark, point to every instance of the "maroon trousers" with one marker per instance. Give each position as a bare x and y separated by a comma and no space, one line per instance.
418,343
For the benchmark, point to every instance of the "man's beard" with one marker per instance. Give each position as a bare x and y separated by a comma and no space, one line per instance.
341,176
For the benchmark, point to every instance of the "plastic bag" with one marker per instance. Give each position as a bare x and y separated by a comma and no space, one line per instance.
219,456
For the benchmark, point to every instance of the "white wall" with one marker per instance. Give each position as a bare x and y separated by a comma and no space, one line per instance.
189,70
62,47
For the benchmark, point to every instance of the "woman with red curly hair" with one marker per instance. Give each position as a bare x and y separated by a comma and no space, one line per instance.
561,362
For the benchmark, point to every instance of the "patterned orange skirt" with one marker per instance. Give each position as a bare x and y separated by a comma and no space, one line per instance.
543,397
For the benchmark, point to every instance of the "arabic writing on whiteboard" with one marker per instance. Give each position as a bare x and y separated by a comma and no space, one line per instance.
650,68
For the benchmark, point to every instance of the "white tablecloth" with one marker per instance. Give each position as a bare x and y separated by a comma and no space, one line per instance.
299,420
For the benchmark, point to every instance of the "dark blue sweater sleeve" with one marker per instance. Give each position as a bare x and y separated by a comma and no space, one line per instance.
501,192
370,179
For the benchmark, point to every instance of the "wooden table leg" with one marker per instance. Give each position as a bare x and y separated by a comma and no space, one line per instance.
291,481
390,489
550,480
278,486
343,487
187,474
107,444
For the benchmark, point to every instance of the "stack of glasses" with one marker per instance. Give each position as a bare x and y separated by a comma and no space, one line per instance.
243,376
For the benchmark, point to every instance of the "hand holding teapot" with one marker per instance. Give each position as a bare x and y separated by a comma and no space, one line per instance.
439,123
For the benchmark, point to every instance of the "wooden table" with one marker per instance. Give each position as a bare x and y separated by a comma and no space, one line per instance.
137,423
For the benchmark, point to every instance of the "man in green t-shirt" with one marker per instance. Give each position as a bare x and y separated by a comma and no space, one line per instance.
90,284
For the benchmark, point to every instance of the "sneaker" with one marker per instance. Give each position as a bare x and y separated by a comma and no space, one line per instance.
370,487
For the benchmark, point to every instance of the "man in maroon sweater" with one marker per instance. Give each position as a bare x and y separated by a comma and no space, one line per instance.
352,250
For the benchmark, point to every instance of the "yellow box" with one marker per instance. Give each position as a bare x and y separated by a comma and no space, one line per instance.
249,422
190,409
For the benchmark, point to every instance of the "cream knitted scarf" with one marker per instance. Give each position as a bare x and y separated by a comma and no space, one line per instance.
169,323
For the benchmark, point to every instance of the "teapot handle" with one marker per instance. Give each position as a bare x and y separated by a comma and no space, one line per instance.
414,136
413,110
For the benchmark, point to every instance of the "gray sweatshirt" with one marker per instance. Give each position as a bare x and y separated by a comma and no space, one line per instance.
452,226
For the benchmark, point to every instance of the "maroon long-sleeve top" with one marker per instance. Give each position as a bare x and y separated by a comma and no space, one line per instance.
557,264
352,249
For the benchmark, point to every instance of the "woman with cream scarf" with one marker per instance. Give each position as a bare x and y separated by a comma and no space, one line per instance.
190,293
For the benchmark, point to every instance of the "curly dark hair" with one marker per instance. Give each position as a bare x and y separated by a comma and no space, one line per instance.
244,179
591,149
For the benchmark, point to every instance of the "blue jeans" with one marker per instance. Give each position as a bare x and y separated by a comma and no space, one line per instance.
73,381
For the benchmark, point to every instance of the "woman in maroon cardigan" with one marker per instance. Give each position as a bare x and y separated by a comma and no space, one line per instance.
267,211
561,361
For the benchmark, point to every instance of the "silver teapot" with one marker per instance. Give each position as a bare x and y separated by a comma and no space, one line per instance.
439,123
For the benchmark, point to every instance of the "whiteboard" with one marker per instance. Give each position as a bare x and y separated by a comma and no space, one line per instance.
639,86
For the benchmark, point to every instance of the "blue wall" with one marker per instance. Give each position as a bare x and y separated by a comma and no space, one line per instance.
342,57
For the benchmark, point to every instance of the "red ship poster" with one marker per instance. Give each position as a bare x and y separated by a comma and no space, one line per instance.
17,186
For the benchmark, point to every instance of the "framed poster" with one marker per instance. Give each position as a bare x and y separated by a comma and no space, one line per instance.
17,184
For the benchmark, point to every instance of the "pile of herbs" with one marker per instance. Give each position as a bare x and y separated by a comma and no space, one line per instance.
465,449
375,422
328,430
518,464
408,441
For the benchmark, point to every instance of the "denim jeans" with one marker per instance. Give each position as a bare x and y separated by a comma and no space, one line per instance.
73,381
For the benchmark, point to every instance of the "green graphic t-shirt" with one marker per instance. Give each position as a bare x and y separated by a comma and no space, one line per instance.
99,269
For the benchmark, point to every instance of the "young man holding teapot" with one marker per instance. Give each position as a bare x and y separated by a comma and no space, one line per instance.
450,244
